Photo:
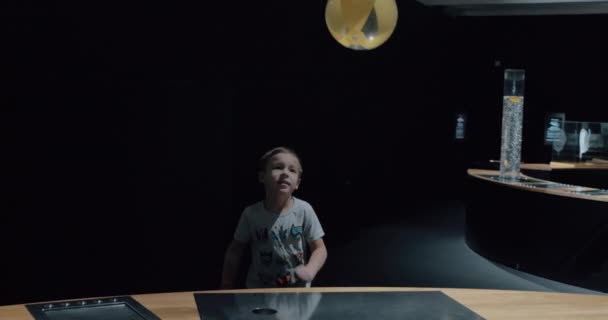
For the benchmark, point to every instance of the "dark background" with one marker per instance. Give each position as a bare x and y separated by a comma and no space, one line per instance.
130,132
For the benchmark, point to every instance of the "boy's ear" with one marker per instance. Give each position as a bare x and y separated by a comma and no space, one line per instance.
298,183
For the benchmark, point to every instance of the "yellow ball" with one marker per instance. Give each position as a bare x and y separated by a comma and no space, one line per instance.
361,24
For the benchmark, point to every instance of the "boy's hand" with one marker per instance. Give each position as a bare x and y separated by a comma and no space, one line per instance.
286,280
304,273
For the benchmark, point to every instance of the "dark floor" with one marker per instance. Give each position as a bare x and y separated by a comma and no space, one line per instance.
426,251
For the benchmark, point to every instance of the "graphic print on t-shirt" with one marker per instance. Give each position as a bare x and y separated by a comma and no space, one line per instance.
287,251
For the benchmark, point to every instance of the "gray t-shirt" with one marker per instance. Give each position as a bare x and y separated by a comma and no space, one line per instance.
278,242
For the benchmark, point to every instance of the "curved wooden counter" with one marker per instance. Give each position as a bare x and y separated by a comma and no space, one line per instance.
555,230
490,304
591,174
532,184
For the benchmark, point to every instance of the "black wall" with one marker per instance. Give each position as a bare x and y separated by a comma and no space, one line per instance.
566,69
131,131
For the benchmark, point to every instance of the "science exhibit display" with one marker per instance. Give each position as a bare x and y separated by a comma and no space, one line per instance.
554,127
512,119
581,141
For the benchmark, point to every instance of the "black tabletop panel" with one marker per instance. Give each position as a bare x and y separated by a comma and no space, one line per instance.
420,305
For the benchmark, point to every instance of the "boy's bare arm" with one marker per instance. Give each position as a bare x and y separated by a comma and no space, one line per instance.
232,261
317,258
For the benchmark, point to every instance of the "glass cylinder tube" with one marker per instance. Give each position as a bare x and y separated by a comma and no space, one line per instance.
512,119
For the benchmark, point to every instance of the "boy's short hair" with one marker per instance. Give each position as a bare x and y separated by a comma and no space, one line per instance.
263,163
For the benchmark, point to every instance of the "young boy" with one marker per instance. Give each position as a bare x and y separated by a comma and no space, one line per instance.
284,233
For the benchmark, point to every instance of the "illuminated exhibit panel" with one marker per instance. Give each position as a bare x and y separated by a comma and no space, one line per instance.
460,127
581,142
554,128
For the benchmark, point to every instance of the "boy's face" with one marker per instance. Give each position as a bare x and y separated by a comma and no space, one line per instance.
282,174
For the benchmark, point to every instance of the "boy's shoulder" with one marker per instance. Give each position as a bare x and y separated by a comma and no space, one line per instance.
299,203
258,207
303,207
254,208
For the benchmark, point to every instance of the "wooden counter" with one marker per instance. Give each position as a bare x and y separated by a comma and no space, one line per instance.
564,191
550,229
490,304
554,165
